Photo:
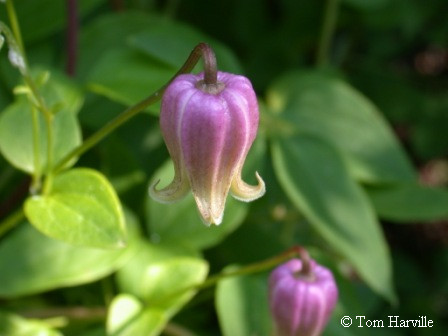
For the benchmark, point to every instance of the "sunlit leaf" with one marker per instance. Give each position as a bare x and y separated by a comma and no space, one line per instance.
64,100
129,317
81,208
160,277
35,263
158,271
14,325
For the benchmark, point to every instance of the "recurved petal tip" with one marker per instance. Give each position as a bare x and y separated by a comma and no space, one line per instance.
245,192
173,192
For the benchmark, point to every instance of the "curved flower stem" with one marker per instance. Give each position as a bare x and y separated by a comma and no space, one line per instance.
328,27
198,51
258,267
306,262
210,66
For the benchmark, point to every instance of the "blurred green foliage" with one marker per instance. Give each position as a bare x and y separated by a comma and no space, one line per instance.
354,152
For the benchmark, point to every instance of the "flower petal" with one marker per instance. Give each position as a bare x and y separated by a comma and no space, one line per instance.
176,190
210,137
245,192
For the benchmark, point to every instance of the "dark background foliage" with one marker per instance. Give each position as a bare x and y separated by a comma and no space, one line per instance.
393,52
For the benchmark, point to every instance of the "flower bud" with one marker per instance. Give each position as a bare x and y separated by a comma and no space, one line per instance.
301,301
209,129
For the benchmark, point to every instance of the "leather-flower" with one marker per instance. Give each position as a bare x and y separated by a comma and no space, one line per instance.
301,303
208,130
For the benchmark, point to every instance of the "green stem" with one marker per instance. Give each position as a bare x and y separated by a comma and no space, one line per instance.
11,221
50,141
249,269
35,185
328,28
210,66
256,267
130,112
48,116
15,25
35,93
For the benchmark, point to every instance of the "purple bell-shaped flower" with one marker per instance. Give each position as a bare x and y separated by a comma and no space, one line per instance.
209,129
302,296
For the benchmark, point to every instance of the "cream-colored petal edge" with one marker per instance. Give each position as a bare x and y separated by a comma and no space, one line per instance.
210,206
208,218
173,192
245,192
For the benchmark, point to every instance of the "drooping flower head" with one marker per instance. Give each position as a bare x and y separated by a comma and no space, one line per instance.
209,129
301,301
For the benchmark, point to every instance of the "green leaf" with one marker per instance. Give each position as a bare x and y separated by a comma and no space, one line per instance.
315,178
37,263
160,277
14,325
60,93
52,16
127,76
171,43
410,202
332,110
242,306
129,317
180,223
143,56
16,125
161,274
109,32
81,208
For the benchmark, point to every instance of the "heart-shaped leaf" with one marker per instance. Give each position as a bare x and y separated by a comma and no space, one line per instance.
81,208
